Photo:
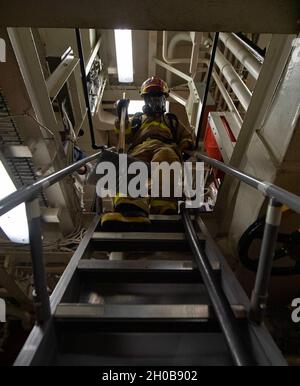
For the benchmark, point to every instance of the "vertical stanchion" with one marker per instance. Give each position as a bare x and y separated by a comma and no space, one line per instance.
85,89
260,292
122,134
42,302
99,204
209,74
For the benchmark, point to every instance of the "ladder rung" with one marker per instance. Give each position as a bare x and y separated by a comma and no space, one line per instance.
151,266
162,223
88,264
163,217
142,241
133,236
149,311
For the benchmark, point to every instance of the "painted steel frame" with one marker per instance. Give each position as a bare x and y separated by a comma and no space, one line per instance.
281,16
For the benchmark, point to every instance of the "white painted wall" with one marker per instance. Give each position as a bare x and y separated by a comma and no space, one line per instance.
273,155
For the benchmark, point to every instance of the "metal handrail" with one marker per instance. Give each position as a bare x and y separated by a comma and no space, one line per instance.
29,192
268,189
224,314
28,195
277,196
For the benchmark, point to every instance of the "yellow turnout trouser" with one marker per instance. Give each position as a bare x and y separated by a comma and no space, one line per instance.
152,150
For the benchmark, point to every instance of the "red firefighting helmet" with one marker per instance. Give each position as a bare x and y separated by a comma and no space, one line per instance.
154,85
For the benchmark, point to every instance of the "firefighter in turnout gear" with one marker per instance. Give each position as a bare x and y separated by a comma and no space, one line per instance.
151,136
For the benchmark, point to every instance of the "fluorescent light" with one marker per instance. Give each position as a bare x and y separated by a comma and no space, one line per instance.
123,41
13,223
136,106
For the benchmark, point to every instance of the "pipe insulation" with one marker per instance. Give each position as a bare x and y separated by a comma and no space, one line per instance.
242,54
238,86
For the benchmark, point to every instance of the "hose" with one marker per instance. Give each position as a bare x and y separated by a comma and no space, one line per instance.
255,232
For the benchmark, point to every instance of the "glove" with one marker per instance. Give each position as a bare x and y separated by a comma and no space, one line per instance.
120,105
185,156
186,148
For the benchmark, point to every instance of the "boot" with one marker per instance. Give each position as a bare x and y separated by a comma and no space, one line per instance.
163,207
125,219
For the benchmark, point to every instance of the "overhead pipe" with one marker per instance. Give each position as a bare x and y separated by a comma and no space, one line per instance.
240,89
227,97
217,79
168,50
224,92
252,64
252,47
85,89
222,89
238,86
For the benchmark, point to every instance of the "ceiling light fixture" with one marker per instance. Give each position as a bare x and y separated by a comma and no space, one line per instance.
123,42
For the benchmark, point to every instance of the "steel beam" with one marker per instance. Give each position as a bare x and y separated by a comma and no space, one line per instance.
23,43
60,75
178,98
174,70
93,56
280,16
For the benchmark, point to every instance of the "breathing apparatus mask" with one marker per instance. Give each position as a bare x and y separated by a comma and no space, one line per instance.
154,103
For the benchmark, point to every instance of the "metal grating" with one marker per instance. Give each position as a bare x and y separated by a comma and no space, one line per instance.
21,169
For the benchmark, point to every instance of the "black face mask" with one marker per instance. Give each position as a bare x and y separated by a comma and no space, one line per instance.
154,104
